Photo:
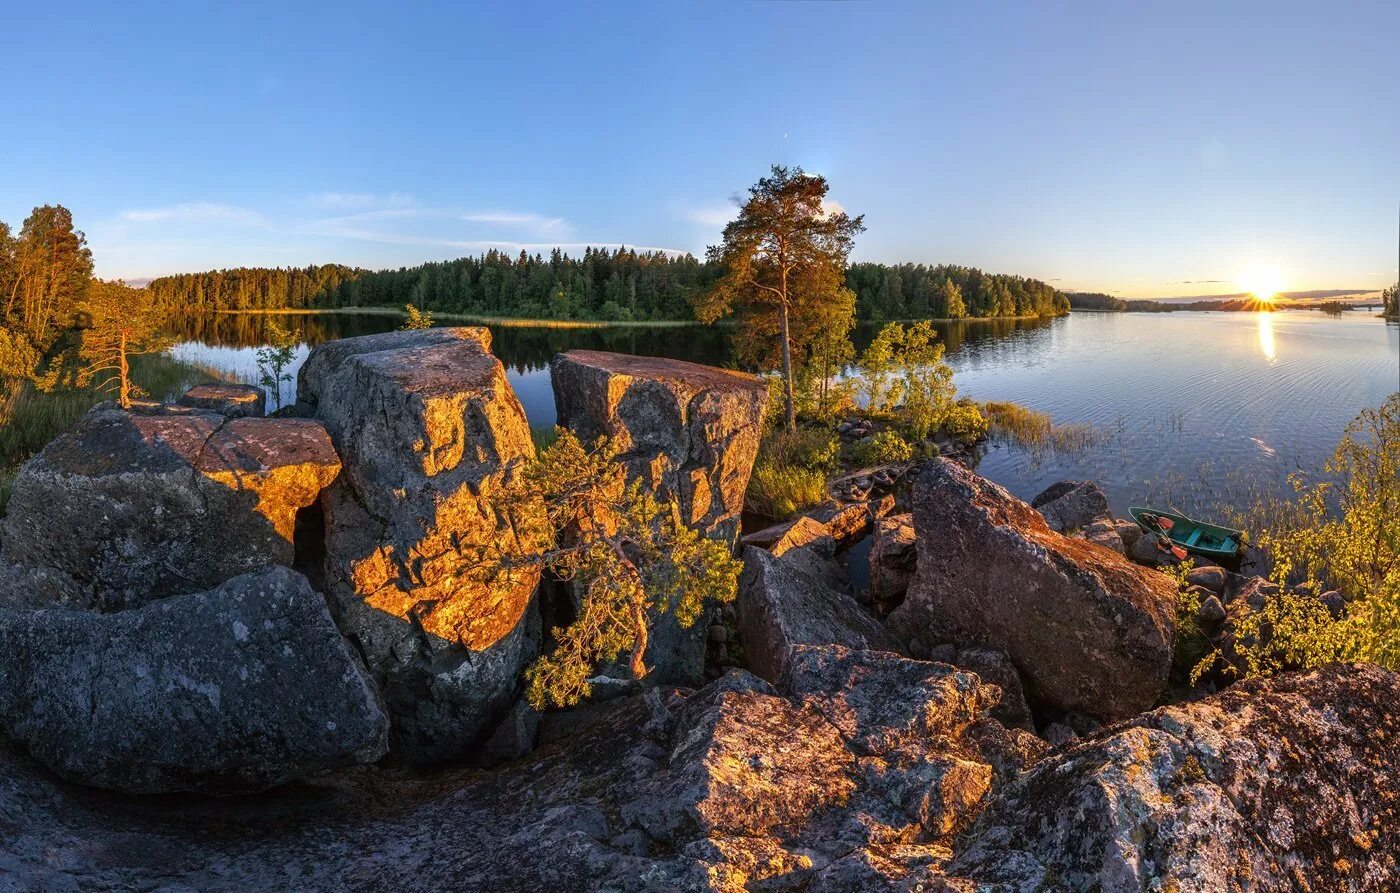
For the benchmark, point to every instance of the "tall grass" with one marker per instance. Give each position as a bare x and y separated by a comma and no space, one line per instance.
781,491
1031,429
30,418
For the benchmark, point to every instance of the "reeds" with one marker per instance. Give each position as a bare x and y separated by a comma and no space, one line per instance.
1032,429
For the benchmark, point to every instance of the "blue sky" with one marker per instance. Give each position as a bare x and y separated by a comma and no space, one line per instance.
1143,149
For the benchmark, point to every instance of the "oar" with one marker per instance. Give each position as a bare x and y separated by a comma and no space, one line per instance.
1166,524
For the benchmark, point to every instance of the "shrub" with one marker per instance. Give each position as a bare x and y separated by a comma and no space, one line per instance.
964,421
815,449
884,447
904,377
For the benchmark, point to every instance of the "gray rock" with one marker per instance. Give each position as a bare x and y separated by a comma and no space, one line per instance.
1058,734
993,665
514,737
136,506
1269,783
1103,533
1087,630
1211,612
239,688
430,432
893,559
1129,532
781,606
1208,577
228,400
691,433
1072,505
1150,550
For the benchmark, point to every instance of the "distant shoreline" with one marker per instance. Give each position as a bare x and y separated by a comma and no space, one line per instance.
529,323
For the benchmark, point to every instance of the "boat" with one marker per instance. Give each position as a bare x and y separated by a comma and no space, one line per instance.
1210,540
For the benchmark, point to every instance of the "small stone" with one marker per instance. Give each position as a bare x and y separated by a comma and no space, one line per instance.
1211,578
1211,612
719,633
1057,733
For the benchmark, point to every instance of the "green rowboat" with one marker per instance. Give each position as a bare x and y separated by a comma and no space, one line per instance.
1205,539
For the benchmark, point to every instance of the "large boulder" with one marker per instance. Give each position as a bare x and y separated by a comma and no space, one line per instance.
781,606
691,433
430,433
1088,631
1290,783
1072,505
239,688
140,505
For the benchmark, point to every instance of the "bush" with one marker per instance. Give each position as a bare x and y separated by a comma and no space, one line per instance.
964,421
781,491
883,448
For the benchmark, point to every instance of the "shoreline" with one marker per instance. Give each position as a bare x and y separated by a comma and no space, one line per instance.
524,322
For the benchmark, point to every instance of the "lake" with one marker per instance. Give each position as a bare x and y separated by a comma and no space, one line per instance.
1193,409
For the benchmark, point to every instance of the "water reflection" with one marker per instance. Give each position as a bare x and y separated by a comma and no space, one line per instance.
1192,417
1266,335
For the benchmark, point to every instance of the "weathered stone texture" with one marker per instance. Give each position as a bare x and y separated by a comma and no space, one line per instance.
239,688
1087,630
140,505
430,432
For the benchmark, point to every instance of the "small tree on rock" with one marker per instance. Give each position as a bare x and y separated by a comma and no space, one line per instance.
417,319
122,322
274,358
627,553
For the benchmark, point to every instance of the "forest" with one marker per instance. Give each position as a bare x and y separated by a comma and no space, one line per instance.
604,285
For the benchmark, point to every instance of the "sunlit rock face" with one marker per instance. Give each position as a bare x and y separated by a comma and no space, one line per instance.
429,431
236,689
689,432
138,505
232,400
1289,783
1088,631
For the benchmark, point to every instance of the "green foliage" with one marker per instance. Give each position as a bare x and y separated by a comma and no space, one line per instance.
1293,631
274,357
783,260
120,322
883,448
905,378
816,449
629,555
1345,533
781,491
916,291
964,421
416,319
1390,298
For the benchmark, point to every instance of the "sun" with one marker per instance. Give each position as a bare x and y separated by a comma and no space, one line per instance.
1261,282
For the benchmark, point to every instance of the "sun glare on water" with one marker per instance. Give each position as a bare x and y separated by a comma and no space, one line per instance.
1261,282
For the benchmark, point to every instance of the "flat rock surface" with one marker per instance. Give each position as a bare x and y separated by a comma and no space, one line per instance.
1087,630
232,400
239,688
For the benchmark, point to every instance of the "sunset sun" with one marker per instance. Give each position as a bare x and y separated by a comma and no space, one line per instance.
1261,282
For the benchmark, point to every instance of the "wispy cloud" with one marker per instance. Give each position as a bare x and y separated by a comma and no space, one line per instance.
337,201
537,223
196,212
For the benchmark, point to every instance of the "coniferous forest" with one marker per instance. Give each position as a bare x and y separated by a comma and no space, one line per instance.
605,285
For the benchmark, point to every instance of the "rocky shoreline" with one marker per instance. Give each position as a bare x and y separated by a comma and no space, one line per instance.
240,652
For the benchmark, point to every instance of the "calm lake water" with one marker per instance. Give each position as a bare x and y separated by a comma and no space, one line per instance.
1198,410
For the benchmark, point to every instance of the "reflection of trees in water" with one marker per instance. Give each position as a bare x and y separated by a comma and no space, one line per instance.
523,349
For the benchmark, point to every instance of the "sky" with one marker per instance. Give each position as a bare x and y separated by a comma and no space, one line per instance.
1144,149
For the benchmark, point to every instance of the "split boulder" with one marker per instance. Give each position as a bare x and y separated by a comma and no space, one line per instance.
1088,631
430,432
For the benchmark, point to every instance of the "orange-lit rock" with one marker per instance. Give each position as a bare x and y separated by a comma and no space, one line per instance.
429,430
138,505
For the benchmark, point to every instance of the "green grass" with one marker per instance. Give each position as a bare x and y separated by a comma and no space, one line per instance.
781,491
1032,429
29,418
543,436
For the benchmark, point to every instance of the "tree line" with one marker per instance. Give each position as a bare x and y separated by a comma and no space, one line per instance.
603,284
